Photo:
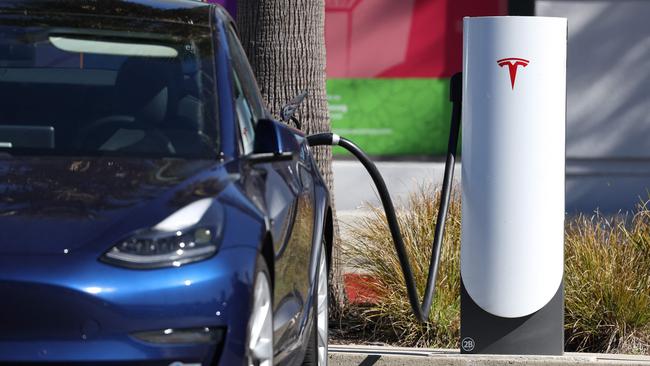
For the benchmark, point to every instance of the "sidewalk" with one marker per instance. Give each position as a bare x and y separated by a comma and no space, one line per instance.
606,184
396,356
353,186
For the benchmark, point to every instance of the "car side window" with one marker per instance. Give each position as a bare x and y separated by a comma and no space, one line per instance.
248,104
245,118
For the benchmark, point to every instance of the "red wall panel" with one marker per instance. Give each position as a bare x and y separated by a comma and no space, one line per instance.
399,39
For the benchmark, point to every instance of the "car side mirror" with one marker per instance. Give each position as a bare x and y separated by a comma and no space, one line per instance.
274,141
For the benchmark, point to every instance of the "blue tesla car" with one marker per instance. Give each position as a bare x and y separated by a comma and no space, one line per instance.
151,211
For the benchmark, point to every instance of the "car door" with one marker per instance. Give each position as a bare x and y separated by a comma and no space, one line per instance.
285,191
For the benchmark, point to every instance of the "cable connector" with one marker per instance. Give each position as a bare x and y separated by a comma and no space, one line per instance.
327,139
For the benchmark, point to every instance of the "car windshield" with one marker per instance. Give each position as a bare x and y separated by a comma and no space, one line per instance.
95,92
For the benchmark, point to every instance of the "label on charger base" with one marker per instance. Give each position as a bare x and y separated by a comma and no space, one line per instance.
513,151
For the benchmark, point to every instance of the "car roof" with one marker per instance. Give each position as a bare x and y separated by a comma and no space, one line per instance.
177,11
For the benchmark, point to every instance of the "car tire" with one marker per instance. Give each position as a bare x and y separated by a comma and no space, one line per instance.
260,327
316,354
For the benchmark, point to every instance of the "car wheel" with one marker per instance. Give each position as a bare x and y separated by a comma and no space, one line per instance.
317,347
260,341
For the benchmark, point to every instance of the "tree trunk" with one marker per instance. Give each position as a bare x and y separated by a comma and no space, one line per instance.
285,43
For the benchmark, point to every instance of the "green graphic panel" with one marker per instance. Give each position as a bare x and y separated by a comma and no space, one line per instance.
391,117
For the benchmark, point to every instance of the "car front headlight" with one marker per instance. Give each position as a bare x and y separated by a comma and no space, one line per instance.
189,235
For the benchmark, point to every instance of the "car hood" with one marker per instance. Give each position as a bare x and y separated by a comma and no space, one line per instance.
62,205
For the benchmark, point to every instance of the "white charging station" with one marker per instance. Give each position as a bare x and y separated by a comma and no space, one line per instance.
513,172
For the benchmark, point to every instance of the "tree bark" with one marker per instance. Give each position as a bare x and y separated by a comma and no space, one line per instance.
285,44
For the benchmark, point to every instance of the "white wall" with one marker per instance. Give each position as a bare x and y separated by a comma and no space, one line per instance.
608,102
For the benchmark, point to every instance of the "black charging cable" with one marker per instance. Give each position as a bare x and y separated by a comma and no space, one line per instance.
421,311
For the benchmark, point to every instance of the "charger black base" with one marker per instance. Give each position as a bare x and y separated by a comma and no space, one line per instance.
540,333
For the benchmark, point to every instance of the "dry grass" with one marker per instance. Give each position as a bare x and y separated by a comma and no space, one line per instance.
607,279
372,250
608,283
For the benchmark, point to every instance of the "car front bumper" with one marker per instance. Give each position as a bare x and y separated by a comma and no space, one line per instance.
74,309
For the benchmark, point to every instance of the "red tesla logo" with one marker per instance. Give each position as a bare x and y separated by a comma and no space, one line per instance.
513,63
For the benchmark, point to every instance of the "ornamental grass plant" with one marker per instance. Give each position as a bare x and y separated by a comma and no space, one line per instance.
607,283
371,250
607,279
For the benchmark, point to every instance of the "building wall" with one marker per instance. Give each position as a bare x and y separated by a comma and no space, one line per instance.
608,102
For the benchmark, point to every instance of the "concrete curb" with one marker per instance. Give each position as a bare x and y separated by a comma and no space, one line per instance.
395,356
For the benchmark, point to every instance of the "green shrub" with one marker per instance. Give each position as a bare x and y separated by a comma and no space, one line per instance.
607,279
